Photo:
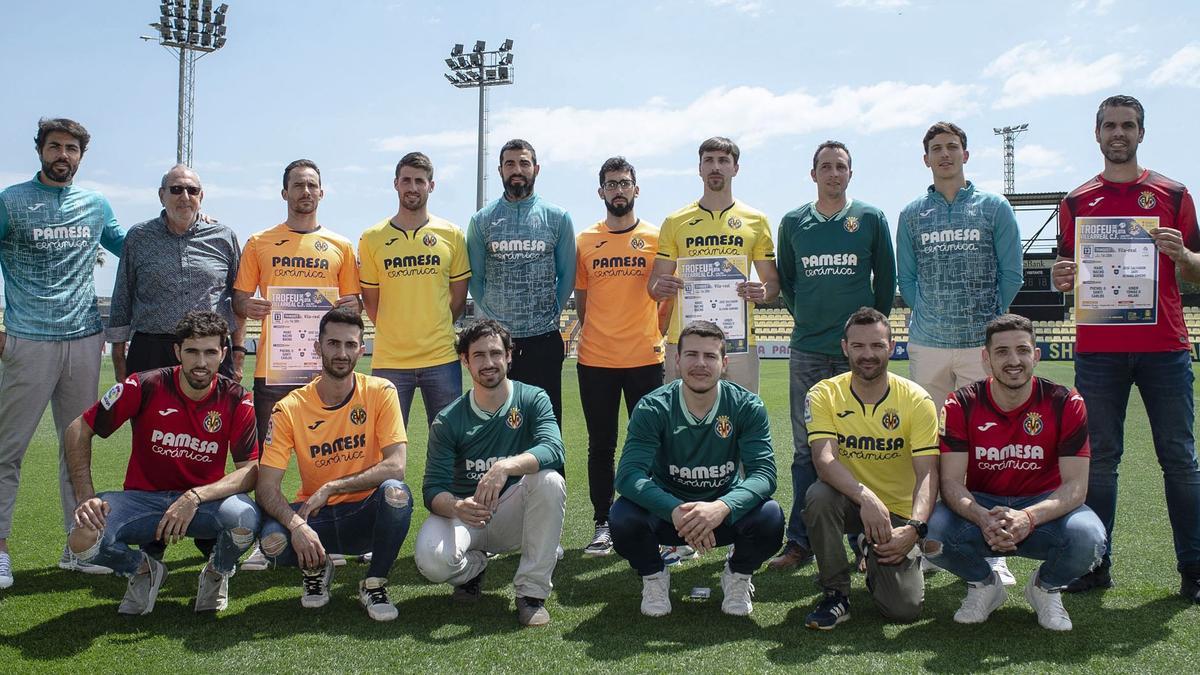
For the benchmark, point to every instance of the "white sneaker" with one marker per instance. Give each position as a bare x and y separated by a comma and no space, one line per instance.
982,599
656,594
256,561
1000,567
143,588
316,584
71,562
373,594
738,590
212,590
1048,605
6,573
674,555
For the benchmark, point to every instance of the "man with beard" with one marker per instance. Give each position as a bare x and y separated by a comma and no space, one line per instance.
1150,349
297,252
522,251
491,480
1013,475
177,262
347,435
698,469
620,346
186,419
414,273
875,448
835,255
50,233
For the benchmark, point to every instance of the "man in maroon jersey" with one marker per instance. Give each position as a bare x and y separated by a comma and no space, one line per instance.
186,420
1013,475
1138,339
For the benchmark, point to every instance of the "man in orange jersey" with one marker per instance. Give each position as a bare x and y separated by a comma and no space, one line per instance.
620,346
347,434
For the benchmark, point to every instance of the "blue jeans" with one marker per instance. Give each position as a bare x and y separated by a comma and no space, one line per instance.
1164,380
439,385
134,516
374,525
805,370
637,534
1070,545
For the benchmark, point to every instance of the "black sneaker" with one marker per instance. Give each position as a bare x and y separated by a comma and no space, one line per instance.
1101,577
832,610
470,591
1190,585
601,542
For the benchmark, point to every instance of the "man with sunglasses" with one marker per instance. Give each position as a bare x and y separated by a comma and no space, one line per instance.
177,262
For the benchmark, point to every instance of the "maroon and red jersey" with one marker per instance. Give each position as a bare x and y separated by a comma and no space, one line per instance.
1015,453
178,443
1151,195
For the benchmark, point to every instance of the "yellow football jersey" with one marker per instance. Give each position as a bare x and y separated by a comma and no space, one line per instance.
876,442
413,272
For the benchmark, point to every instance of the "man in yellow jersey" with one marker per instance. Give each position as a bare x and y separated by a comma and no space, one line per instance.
718,226
414,271
620,346
347,435
297,252
875,447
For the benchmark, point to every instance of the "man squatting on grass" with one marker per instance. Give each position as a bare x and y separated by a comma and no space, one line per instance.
186,419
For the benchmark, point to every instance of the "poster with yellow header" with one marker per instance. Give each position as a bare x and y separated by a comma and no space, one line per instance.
294,322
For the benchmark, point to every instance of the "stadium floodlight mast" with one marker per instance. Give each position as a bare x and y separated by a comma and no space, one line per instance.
193,29
482,69
1010,144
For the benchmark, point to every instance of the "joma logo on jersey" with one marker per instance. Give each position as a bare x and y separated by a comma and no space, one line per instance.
1013,451
61,232
714,240
412,261
723,426
947,236
339,444
618,261
212,422
515,245
1032,424
829,259
183,442
1147,200
296,261
702,472
514,418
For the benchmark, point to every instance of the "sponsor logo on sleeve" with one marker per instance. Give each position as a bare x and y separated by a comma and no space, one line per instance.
110,397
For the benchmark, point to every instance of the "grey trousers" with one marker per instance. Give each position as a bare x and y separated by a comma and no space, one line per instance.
898,590
64,374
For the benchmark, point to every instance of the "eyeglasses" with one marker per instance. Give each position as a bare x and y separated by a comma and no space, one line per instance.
192,190
614,185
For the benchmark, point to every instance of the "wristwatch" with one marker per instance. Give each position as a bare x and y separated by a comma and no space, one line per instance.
920,526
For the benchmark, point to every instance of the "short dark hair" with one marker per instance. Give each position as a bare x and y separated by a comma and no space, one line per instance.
350,316
1007,322
618,164
705,329
944,128
833,144
866,316
300,164
481,329
201,324
47,126
1122,101
720,144
518,144
415,160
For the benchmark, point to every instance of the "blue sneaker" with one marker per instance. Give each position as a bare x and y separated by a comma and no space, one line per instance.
832,610
673,555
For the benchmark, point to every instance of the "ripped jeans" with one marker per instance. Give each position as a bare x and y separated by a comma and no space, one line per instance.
134,516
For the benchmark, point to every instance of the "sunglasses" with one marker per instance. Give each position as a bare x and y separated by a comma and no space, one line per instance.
178,189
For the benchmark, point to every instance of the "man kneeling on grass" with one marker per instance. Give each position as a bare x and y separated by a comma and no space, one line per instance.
1014,472
186,419
347,433
491,480
697,469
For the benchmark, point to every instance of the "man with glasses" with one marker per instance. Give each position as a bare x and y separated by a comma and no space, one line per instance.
174,263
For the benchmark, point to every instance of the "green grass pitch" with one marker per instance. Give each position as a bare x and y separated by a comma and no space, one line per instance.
55,621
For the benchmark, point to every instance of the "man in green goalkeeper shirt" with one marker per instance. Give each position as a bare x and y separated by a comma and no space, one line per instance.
697,469
491,483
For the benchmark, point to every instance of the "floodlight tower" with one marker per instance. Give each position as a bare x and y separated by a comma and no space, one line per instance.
193,29
481,69
1010,143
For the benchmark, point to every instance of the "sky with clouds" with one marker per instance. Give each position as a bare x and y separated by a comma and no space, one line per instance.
355,85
